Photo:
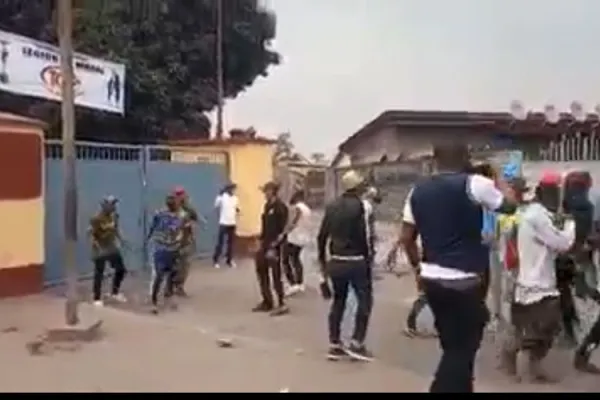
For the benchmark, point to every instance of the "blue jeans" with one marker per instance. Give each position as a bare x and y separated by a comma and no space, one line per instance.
164,269
346,274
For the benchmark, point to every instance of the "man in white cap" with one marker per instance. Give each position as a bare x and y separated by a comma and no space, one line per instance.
345,233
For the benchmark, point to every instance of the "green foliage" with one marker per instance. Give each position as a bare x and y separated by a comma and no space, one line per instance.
169,48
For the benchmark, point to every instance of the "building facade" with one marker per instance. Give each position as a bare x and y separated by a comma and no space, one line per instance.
409,135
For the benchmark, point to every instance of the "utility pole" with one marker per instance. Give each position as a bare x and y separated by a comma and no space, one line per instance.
65,36
220,90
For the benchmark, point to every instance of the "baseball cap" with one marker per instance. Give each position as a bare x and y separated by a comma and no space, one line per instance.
271,185
351,180
178,190
550,177
110,199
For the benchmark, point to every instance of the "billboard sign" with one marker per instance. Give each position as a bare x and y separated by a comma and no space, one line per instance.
32,68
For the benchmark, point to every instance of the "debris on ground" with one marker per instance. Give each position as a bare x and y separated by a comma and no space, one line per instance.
225,343
10,329
67,339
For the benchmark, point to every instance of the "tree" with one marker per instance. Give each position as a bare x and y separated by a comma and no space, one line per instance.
284,148
318,158
168,47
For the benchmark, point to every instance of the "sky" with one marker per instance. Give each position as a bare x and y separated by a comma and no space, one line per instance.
346,61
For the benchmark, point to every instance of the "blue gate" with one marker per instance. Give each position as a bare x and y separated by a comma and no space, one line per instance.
101,170
139,177
202,182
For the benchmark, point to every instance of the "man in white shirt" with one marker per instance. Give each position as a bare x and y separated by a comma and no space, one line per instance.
227,205
536,312
446,211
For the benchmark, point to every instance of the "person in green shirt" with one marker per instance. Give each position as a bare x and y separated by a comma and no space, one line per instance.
106,243
189,217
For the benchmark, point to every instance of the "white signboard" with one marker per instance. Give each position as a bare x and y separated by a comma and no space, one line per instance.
32,68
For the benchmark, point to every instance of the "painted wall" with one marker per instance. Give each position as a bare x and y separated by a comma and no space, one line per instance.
249,166
21,206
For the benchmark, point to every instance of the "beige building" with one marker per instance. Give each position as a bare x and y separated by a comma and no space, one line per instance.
406,135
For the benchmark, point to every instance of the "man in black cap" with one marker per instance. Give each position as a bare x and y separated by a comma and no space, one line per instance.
454,258
268,258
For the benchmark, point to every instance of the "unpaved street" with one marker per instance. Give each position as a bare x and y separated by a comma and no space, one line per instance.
177,351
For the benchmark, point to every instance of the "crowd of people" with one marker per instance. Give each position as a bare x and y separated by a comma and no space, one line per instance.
538,241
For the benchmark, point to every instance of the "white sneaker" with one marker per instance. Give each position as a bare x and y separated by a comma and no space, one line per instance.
217,266
301,288
119,298
292,290
232,265
99,303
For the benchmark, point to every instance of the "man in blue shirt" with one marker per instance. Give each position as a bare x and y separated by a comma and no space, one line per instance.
166,232
454,258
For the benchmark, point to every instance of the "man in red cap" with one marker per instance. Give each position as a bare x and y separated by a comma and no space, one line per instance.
189,216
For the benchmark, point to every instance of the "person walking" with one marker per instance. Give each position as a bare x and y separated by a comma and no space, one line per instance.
189,217
106,242
454,258
166,231
227,205
345,234
542,234
298,236
268,258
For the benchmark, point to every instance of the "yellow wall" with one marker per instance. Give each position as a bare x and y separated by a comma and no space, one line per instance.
22,239
250,167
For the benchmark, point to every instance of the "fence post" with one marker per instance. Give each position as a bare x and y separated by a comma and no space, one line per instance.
330,185
144,158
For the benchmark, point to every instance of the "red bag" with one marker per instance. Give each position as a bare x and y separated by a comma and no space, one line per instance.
511,257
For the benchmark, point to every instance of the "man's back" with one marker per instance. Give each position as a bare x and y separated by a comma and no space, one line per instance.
346,227
449,222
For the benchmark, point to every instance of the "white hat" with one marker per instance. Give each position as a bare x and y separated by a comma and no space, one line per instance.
351,180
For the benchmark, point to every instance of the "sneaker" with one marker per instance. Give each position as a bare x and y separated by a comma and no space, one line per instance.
154,310
336,352
301,288
231,265
98,303
217,266
292,290
359,352
281,310
262,307
119,298
180,292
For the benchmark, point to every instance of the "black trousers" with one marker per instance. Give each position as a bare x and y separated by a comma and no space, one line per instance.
460,317
115,261
226,235
346,274
269,270
294,270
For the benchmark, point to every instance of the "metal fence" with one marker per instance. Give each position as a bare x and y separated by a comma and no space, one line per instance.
139,176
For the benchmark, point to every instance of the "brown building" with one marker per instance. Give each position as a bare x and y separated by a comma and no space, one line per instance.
405,135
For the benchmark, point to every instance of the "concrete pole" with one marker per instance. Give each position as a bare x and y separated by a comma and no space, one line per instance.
65,35
220,84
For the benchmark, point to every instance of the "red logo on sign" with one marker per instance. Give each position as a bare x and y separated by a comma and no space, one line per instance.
52,79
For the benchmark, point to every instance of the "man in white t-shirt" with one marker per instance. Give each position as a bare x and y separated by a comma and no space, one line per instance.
227,205
446,211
